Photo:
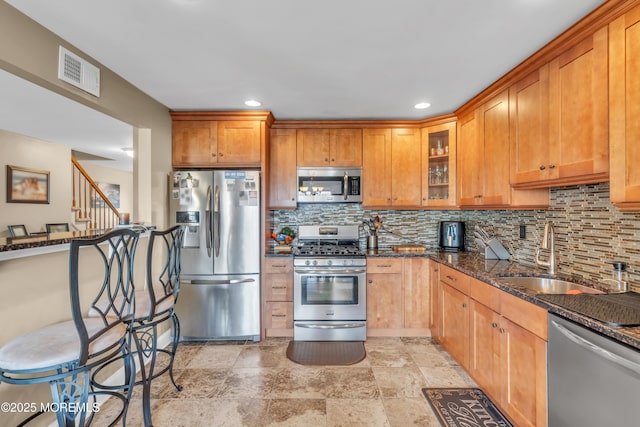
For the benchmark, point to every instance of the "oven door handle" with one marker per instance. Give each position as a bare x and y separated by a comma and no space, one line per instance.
340,326
316,271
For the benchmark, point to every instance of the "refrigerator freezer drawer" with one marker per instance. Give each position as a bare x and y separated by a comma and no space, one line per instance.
219,308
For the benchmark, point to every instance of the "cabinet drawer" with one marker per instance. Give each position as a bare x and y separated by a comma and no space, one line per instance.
455,279
278,265
279,315
525,314
278,287
384,265
485,294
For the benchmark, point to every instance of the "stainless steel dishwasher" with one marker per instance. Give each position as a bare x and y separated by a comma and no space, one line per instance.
593,380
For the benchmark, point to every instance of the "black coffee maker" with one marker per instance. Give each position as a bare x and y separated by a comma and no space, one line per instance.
451,235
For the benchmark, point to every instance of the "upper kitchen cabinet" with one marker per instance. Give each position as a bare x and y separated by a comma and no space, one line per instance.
624,104
439,165
329,147
560,119
194,143
283,187
211,139
483,160
391,168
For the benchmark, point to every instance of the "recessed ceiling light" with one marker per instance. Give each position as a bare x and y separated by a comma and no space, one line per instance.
252,103
129,151
422,105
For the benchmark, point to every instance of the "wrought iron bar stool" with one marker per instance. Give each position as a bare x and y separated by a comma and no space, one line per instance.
154,306
64,354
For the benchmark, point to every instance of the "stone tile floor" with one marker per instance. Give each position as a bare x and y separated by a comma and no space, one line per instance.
254,384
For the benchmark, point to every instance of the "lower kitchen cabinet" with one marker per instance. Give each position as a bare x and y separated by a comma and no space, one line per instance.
435,313
278,297
398,296
455,323
385,303
500,339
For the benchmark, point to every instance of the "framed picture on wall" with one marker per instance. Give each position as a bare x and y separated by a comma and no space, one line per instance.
26,185
112,191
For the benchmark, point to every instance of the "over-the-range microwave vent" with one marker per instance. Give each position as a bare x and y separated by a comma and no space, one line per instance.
78,72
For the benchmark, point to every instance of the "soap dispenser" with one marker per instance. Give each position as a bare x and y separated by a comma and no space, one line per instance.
619,278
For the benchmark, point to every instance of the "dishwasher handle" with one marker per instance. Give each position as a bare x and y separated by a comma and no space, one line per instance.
604,353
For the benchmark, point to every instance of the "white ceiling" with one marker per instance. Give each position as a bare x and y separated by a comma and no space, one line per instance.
334,59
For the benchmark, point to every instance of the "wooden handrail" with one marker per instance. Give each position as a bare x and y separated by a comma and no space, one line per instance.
86,195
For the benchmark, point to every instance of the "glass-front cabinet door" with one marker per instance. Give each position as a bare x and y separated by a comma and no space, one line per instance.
439,165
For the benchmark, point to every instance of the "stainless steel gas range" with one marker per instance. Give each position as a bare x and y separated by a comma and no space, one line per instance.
329,286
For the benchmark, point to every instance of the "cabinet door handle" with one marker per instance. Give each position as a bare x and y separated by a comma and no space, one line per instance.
551,166
370,281
542,167
279,265
436,270
220,154
278,287
464,305
278,315
453,279
214,155
502,331
494,325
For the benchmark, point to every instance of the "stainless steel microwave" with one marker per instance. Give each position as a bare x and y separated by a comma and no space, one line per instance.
329,185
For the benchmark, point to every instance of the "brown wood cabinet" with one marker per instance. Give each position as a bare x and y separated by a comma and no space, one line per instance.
391,168
435,314
560,121
439,165
385,302
283,186
376,168
329,147
624,104
211,139
194,143
483,166
501,340
278,297
398,296
454,288
417,293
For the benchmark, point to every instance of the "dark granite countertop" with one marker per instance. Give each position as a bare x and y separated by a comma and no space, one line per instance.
490,271
28,242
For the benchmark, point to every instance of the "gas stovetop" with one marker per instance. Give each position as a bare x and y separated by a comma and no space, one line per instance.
322,241
328,250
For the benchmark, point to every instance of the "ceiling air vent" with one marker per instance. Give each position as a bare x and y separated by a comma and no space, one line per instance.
78,72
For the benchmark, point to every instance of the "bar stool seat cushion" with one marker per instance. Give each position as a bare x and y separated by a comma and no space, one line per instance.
55,344
142,306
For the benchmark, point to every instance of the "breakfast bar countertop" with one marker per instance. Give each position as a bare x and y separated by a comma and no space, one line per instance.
491,271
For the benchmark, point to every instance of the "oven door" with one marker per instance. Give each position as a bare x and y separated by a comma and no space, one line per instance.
329,294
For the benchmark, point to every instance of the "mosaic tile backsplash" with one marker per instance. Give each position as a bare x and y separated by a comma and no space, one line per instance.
589,230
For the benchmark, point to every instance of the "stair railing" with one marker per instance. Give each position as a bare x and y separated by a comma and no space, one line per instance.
91,205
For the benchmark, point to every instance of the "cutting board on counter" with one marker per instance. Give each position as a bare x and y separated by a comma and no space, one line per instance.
409,248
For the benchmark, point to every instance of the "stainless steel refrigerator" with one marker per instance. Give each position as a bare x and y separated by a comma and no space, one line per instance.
220,278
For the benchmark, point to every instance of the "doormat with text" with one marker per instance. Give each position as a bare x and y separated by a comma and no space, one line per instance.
461,407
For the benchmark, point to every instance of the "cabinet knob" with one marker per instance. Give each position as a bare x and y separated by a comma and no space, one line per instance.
220,154
551,166
464,305
453,279
369,281
326,159
542,167
214,155
502,331
333,160
494,325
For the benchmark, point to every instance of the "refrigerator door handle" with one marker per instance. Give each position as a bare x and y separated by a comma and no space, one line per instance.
217,282
216,221
207,216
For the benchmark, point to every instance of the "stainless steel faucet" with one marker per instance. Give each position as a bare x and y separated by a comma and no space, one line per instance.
548,243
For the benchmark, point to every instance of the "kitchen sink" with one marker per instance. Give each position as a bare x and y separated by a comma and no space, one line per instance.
545,285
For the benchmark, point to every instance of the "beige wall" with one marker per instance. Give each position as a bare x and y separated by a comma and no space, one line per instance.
114,176
18,150
35,289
